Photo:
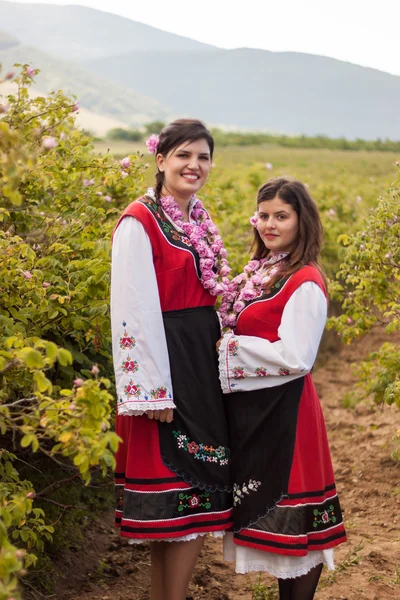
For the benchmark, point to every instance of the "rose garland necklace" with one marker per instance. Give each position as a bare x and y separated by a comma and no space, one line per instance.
249,285
205,239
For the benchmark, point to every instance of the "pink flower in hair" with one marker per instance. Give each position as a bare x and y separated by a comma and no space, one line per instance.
254,219
152,143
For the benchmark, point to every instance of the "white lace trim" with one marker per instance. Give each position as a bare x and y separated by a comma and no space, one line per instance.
135,409
282,566
183,538
223,373
280,573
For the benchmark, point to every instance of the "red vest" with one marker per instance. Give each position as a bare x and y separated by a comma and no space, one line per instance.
262,317
175,261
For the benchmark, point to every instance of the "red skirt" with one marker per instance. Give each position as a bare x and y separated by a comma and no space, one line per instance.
285,498
172,480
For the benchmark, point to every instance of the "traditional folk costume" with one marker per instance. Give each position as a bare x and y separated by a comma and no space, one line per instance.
287,517
172,480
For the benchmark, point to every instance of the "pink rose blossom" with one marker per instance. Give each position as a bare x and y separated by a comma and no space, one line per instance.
268,166
75,107
238,306
78,382
9,75
88,182
124,174
27,274
225,270
30,495
108,198
63,135
206,264
256,279
152,143
125,162
72,406
189,229
331,212
248,295
196,213
254,219
95,370
30,71
99,193
252,265
359,199
209,284
49,142
230,320
46,284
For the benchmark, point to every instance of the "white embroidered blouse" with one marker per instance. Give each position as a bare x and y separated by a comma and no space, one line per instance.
140,355
251,363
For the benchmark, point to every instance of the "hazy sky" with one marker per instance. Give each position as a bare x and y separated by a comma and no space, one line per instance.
365,32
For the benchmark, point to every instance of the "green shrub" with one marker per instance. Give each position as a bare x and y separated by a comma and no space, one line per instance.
59,205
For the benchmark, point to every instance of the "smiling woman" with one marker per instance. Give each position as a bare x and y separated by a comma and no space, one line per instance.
184,171
168,267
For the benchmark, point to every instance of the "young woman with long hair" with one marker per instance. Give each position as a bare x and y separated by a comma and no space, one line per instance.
287,517
168,267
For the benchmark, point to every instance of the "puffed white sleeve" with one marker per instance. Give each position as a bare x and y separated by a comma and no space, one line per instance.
140,355
251,363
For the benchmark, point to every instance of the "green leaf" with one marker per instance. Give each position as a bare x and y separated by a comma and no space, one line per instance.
41,381
32,358
51,351
27,440
64,357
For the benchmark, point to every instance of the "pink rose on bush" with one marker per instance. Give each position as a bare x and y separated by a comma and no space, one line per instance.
49,142
125,162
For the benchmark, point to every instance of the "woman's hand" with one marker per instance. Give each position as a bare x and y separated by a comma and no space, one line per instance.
218,344
164,416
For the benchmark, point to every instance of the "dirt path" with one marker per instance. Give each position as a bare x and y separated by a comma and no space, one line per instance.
368,481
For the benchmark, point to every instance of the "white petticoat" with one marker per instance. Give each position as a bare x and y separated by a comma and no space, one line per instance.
183,538
281,566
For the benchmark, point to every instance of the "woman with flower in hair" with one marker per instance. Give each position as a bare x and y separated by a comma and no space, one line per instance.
286,514
168,268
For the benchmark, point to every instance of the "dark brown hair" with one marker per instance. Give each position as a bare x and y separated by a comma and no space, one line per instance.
175,134
308,244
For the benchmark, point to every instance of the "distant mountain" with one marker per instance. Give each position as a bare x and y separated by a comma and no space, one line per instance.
94,93
284,92
278,91
77,32
7,40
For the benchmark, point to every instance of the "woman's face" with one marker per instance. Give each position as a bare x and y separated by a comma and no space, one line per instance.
278,225
185,168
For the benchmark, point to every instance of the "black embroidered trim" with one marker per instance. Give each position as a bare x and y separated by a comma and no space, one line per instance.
270,292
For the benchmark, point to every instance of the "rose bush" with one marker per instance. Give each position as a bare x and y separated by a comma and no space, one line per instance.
58,208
